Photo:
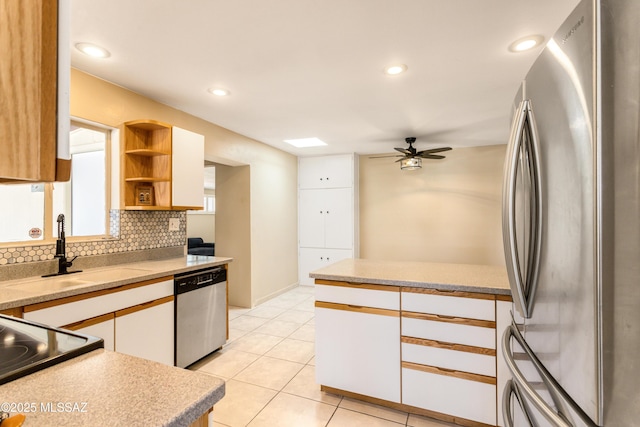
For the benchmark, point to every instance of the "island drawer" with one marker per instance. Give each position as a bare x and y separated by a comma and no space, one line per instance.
453,393
361,295
449,356
476,333
449,303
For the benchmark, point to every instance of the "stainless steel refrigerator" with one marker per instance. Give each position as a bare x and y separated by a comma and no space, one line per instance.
571,226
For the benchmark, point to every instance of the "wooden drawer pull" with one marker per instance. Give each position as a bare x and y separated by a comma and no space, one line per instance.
442,316
357,307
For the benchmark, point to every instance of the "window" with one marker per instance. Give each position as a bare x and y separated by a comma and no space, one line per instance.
34,208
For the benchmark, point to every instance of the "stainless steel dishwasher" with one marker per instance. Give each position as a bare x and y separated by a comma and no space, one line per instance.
200,314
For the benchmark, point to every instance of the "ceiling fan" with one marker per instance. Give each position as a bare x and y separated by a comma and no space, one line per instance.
411,158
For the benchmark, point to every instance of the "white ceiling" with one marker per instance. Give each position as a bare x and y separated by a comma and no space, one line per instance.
313,68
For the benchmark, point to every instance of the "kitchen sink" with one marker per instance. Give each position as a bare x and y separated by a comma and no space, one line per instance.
79,279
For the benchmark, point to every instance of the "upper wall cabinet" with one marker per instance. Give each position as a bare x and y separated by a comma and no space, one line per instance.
326,172
162,167
30,85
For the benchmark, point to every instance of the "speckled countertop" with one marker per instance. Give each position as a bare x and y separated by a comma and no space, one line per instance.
21,292
456,277
104,388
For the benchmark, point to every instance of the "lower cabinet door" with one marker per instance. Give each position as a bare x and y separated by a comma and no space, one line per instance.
359,351
101,327
146,331
310,259
458,397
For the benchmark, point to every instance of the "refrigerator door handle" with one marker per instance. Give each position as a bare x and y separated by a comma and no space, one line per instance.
523,283
552,416
511,389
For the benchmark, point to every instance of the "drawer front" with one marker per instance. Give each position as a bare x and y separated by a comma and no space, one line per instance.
472,400
483,364
434,303
76,311
360,295
454,333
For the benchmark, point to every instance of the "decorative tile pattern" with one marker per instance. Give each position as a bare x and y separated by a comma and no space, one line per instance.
129,230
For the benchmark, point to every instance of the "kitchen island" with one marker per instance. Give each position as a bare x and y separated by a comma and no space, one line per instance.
105,388
417,337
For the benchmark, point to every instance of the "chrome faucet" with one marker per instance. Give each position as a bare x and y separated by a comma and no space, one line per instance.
61,251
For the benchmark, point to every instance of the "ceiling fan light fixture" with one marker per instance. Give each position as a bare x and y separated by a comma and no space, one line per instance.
411,163
395,69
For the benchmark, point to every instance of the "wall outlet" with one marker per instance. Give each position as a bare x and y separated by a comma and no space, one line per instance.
174,224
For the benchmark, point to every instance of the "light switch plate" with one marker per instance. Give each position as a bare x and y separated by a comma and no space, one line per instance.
174,224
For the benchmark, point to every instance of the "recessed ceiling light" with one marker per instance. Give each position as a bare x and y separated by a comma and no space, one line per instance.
93,50
526,43
392,70
219,92
305,142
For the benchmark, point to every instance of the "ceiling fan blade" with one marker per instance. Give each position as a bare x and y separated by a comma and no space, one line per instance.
434,150
386,155
431,156
402,150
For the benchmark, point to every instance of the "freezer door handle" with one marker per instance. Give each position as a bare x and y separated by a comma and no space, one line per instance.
522,278
556,419
510,390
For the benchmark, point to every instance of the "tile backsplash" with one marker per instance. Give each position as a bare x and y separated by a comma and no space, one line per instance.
130,231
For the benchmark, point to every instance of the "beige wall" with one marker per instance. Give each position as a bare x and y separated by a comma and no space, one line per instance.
202,225
448,211
271,256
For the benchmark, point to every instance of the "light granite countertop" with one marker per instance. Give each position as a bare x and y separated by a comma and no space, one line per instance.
455,277
21,292
104,388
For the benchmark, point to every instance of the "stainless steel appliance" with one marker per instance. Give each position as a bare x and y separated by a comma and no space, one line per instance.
27,347
200,314
571,226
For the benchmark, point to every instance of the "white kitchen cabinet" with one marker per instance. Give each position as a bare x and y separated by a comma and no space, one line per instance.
311,259
147,331
187,160
101,327
503,320
448,394
357,342
449,353
135,319
326,171
326,218
358,351
327,211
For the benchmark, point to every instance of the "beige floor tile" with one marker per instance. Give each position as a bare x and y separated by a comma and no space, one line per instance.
237,311
374,410
278,328
307,305
269,372
312,362
345,418
305,289
287,300
228,363
292,411
420,421
246,322
304,385
311,322
234,334
293,350
241,403
296,316
254,342
266,312
305,332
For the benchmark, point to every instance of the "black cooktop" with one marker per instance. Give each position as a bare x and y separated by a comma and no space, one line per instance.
27,347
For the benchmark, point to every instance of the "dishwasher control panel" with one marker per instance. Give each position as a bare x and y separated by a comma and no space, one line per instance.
199,279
